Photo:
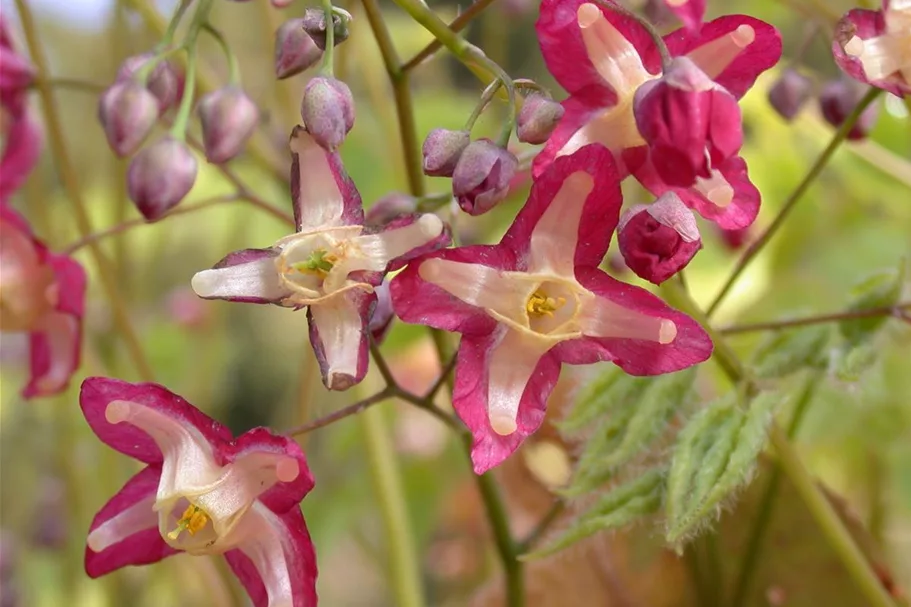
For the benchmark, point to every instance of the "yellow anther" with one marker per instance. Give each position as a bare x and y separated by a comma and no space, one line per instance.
192,520
539,304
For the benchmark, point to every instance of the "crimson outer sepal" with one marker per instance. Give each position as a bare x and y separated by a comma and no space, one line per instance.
888,31
248,487
482,176
507,366
44,296
160,176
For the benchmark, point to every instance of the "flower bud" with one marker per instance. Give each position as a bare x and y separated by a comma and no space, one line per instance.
689,122
163,81
328,111
537,119
389,207
839,98
295,50
482,175
228,118
127,111
442,149
789,93
314,23
659,239
160,176
381,318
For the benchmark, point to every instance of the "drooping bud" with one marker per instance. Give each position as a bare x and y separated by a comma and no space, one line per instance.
314,23
160,176
163,81
127,111
381,318
839,98
482,175
537,119
295,50
689,122
659,239
328,111
389,207
228,117
789,93
442,149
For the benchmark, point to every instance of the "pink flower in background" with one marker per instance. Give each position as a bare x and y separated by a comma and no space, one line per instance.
19,131
201,492
331,265
875,46
690,12
43,295
602,58
537,300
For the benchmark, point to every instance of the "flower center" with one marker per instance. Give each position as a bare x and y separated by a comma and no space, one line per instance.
320,263
539,304
192,521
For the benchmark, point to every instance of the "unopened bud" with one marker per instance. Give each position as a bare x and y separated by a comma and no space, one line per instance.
389,207
482,175
838,100
295,50
538,118
789,93
314,23
381,318
163,81
228,118
160,176
127,111
328,111
442,149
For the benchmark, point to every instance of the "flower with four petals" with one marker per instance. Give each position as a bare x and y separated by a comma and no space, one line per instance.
875,46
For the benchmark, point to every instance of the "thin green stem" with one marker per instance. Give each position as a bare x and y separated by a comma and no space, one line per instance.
68,177
793,199
352,409
327,66
230,57
556,509
775,325
179,126
457,25
390,491
179,11
73,84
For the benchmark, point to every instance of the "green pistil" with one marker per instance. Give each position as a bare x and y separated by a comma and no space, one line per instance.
319,263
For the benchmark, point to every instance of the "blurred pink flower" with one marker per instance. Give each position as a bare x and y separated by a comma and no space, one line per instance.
201,492
21,134
874,47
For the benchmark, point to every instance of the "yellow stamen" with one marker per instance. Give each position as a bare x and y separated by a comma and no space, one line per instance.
539,304
192,521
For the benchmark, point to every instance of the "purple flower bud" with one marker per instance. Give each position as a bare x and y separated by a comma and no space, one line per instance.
389,207
51,510
381,318
442,149
127,111
314,23
538,118
482,175
163,82
789,93
228,118
659,239
839,98
328,111
160,176
295,50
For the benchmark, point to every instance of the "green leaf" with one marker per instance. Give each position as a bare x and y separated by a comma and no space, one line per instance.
878,291
851,362
620,506
713,461
608,394
605,454
785,352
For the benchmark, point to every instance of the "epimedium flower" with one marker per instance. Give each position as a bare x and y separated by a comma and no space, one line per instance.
602,57
537,300
874,47
42,294
331,265
201,492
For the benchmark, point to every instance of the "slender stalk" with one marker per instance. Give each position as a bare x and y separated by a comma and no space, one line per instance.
456,25
558,507
230,57
793,199
179,127
342,413
816,320
68,177
390,491
72,84
328,64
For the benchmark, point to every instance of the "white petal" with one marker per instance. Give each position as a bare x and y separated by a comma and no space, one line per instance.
512,363
614,128
481,286
377,250
714,57
134,519
556,235
340,329
263,543
320,200
615,57
601,317
259,279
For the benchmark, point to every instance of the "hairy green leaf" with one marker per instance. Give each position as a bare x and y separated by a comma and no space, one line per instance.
618,507
606,395
785,352
880,290
851,362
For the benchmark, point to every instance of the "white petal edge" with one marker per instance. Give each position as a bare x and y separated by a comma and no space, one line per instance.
138,517
255,279
602,318
511,365
340,329
556,235
320,201
480,285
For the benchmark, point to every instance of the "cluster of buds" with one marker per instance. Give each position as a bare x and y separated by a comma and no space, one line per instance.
299,43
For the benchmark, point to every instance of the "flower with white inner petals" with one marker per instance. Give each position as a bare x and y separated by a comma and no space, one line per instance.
202,492
331,264
537,300
875,46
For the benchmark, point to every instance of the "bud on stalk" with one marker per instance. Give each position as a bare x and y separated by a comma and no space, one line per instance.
160,176
228,119
328,111
127,111
295,50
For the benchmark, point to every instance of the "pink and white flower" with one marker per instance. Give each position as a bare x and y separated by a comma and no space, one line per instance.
43,295
331,265
537,300
201,492
875,46
602,57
